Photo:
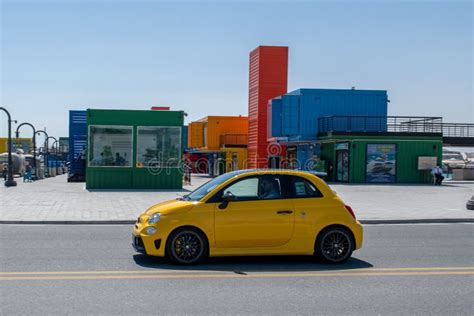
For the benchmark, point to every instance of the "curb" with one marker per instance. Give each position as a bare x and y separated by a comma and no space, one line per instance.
131,222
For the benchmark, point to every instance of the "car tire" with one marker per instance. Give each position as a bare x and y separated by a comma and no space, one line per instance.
187,246
334,245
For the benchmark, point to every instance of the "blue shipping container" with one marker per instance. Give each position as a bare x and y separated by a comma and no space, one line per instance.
300,110
274,117
77,143
184,137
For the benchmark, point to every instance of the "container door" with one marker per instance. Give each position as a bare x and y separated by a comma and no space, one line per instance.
274,162
235,162
291,154
342,166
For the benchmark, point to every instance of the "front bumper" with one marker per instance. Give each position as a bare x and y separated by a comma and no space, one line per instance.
137,244
148,244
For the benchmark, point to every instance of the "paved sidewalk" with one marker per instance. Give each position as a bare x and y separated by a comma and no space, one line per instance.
54,199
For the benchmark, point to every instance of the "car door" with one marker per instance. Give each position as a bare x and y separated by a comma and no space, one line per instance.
250,221
309,205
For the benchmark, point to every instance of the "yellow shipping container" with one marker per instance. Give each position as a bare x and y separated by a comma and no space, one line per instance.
196,135
23,143
235,159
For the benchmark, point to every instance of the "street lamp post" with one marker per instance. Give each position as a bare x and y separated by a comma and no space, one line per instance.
56,150
55,141
46,171
34,143
57,145
10,182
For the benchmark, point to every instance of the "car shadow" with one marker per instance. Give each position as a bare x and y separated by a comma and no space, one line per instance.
240,265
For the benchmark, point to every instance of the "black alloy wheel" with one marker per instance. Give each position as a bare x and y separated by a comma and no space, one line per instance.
186,246
334,245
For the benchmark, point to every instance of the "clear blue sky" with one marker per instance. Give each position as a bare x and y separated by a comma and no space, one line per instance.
57,56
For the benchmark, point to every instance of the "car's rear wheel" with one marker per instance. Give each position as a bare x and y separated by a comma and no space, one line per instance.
334,245
187,246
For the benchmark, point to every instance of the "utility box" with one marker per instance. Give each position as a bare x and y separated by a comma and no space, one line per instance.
132,149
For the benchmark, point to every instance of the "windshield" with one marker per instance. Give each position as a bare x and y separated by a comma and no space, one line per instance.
452,156
207,187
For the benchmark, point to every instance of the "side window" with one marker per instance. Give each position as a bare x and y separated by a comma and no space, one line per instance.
265,187
302,188
271,187
246,189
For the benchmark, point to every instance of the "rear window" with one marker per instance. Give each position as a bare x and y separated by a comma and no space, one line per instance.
302,188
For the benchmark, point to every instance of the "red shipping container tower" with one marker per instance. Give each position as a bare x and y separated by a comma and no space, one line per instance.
268,78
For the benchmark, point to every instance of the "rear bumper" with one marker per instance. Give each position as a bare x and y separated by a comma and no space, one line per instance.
358,232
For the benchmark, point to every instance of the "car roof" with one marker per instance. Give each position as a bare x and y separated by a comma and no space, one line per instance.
270,171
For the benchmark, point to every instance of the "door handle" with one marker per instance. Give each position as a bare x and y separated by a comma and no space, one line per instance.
284,212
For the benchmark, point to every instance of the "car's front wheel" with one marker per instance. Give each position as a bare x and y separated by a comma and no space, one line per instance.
334,245
187,246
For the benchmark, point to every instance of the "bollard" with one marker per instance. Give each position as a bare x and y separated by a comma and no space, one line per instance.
470,204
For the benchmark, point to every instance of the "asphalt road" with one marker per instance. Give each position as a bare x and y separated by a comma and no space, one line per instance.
402,269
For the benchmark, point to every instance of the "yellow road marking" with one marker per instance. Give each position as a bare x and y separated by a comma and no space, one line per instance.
230,271
101,272
239,276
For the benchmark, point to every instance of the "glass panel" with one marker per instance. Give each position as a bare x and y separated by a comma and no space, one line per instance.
247,188
110,146
304,188
159,145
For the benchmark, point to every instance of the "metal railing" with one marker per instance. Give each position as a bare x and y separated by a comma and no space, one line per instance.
458,130
233,140
380,124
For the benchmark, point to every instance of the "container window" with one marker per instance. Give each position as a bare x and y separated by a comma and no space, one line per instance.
110,146
159,146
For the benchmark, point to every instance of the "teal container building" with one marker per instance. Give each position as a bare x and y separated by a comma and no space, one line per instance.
133,149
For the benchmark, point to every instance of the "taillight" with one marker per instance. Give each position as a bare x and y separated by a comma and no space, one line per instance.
349,209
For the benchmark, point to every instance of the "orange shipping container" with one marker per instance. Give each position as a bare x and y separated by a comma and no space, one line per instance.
223,125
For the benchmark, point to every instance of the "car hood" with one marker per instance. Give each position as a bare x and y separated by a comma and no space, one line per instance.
170,207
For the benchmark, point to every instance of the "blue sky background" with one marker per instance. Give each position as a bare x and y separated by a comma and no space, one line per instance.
57,56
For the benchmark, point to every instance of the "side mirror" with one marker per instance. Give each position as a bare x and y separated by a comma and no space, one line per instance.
226,198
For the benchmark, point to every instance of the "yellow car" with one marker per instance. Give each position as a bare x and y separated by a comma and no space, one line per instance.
251,212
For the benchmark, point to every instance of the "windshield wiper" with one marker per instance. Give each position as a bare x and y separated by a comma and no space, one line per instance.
183,198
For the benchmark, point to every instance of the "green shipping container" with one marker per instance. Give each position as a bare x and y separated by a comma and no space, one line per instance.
379,159
132,149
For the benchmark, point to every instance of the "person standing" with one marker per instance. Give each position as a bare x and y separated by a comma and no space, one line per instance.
5,172
330,170
187,172
27,175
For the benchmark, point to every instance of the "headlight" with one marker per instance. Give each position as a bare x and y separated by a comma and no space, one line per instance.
154,218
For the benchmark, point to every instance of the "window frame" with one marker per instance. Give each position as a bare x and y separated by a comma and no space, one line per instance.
90,150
